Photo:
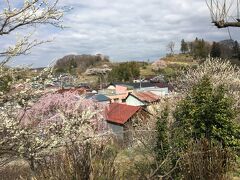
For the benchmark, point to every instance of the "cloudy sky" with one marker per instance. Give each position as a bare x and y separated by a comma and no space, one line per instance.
123,29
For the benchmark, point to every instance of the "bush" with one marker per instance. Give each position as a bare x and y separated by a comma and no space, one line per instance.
206,161
208,113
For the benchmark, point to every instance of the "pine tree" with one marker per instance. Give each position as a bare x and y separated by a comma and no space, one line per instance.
200,48
215,50
184,47
236,50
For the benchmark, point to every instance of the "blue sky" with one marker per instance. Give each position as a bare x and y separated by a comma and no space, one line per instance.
122,29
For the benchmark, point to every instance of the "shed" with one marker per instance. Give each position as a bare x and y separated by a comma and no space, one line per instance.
120,119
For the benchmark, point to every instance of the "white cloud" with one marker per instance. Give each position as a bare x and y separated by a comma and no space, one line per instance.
125,30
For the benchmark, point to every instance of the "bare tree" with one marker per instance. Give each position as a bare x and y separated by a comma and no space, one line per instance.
24,14
224,13
170,47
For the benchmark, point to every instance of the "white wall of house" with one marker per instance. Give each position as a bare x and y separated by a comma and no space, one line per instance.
131,100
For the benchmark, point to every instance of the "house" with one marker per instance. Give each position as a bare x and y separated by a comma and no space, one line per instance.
141,98
118,98
160,89
116,93
116,89
120,119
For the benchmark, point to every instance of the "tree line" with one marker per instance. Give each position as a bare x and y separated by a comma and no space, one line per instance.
78,63
125,72
199,48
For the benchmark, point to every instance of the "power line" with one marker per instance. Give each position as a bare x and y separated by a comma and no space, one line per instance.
238,19
229,33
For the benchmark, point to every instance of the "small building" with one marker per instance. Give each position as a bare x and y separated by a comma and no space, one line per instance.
116,93
160,89
141,98
116,89
120,120
118,98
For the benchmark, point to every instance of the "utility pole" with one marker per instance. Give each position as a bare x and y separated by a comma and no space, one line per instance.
140,82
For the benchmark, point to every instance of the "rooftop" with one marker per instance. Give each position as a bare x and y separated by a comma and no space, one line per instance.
135,85
121,113
97,97
146,96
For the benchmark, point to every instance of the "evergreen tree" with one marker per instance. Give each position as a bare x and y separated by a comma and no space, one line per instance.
162,145
203,52
163,150
236,50
184,47
215,50
207,113
200,48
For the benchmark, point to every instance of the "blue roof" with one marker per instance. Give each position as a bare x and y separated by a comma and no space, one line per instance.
98,97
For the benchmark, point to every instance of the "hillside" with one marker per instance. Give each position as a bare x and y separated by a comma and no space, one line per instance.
170,66
79,63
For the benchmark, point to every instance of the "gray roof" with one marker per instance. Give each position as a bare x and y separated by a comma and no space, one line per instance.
136,85
97,97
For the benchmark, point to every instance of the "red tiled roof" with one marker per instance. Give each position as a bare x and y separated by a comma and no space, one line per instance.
121,113
146,96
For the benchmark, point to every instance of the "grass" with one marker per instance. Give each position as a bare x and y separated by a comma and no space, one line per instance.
147,71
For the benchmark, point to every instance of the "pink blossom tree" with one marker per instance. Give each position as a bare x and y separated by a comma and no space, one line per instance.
51,107
54,121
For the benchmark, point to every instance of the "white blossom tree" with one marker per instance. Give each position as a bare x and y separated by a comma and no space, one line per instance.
15,17
22,15
220,72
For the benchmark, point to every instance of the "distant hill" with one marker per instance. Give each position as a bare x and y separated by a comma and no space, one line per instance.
80,63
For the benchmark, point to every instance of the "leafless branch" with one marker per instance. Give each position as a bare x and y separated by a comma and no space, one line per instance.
220,11
31,13
22,47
